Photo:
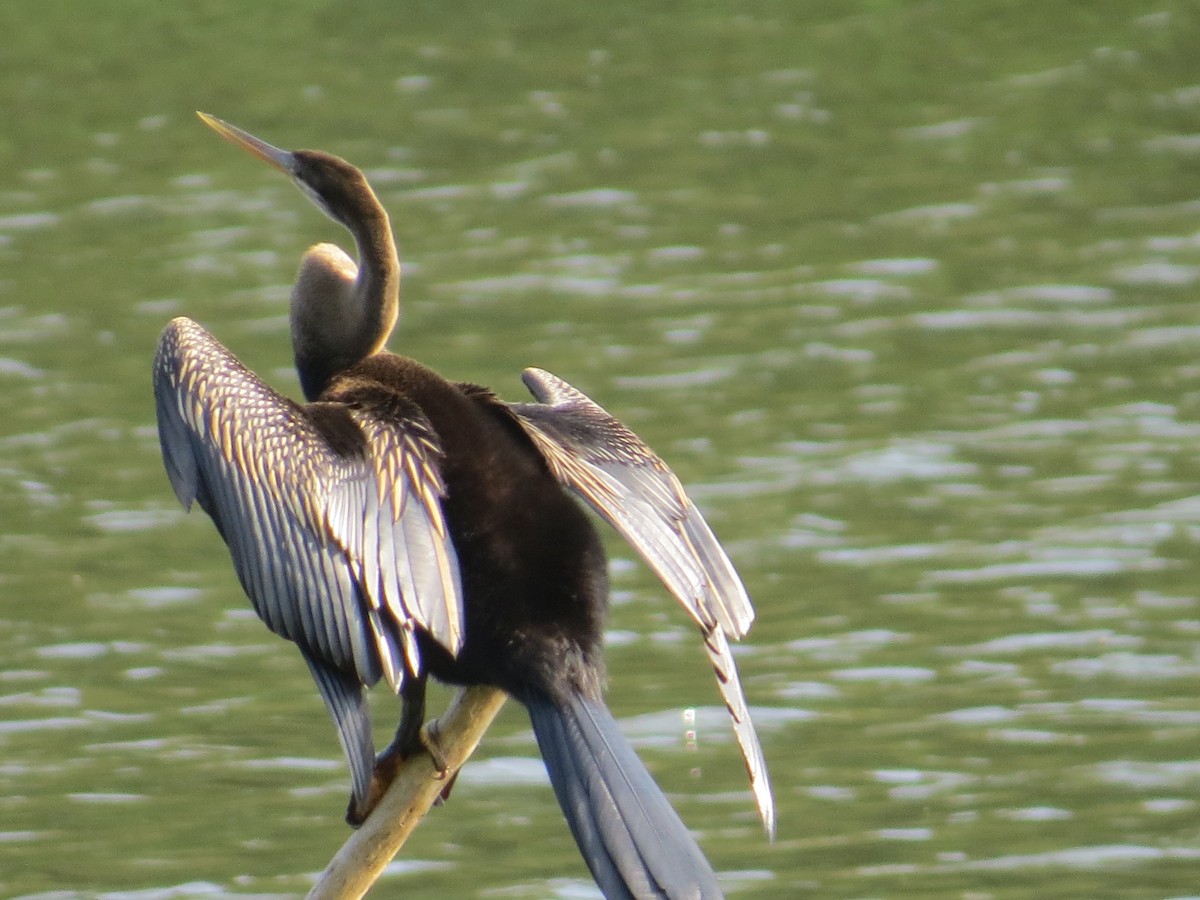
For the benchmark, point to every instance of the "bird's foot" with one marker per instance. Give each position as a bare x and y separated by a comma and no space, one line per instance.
431,739
388,763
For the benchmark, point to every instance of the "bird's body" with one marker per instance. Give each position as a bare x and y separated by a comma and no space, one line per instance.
400,525
531,562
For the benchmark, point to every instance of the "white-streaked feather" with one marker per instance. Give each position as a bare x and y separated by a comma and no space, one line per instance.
344,553
630,487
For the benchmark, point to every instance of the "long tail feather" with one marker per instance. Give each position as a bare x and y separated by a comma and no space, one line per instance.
632,840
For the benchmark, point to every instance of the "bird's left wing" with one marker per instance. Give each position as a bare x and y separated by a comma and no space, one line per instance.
628,485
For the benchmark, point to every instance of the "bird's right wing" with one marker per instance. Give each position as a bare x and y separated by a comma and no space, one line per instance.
332,516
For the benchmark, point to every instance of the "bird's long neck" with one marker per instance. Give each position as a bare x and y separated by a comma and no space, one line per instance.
377,286
341,312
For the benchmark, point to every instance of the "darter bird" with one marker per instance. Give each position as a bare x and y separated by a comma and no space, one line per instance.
398,525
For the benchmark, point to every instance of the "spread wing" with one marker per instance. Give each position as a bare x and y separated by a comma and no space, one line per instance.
629,486
332,516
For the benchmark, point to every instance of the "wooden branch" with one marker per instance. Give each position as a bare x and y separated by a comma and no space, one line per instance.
361,860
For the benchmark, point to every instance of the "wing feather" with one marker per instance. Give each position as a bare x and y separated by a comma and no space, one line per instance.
730,685
332,516
628,485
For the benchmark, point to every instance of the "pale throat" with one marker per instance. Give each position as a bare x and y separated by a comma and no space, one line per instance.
340,313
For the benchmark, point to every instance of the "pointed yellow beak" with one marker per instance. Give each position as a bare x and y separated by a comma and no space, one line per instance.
280,159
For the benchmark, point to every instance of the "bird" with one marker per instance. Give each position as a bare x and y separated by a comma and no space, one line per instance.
397,525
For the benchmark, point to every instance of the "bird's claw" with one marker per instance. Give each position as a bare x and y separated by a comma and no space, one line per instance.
431,740
387,765
381,779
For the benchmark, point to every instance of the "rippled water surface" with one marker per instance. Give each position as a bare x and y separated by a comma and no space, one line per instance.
904,291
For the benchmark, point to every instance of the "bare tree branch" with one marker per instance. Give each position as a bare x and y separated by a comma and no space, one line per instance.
356,866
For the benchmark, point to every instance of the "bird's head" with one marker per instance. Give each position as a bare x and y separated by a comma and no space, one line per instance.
337,188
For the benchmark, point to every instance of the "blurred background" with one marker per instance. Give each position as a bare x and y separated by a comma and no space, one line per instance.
904,291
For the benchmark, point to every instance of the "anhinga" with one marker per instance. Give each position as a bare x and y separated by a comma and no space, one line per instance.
400,525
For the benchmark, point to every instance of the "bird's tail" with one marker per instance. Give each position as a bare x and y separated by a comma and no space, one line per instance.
633,841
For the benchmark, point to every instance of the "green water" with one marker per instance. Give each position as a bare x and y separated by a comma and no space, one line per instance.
903,291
